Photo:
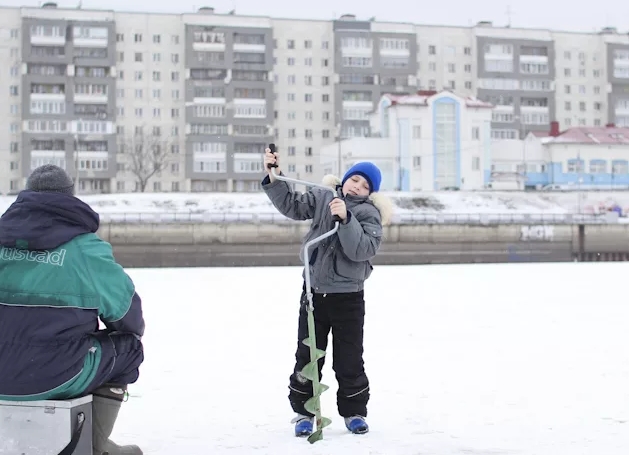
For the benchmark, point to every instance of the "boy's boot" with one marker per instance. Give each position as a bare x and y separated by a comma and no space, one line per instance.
303,425
105,407
356,424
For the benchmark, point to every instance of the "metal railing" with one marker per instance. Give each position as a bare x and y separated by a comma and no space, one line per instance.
415,218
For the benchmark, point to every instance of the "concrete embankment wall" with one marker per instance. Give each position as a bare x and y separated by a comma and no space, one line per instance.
242,244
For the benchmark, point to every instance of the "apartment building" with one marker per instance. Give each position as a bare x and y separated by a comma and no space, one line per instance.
11,106
187,102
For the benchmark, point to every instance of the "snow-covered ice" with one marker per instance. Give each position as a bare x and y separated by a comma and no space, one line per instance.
527,359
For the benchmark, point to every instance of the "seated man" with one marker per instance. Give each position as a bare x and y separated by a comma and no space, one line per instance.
57,279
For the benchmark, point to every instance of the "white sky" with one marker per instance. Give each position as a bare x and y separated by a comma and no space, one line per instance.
529,14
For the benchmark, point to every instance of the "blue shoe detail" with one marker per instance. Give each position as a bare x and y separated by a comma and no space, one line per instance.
303,425
356,424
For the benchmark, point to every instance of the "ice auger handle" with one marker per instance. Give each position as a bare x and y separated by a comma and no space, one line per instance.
273,151
336,218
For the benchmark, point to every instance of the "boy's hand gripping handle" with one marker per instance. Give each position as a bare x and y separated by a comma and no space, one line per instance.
273,151
336,218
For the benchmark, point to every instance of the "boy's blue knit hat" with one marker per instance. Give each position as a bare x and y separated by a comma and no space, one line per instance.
369,171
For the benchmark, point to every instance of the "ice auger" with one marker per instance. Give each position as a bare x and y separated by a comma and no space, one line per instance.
311,370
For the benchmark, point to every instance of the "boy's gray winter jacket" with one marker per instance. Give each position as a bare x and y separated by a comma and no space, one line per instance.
342,262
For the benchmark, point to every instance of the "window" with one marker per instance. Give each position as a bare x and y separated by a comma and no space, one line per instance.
99,33
209,165
357,62
394,62
498,84
620,167
499,49
39,158
250,130
48,107
249,57
253,111
240,75
208,129
48,31
598,167
356,96
504,133
209,111
536,85
209,37
502,117
47,126
499,66
90,89
355,42
394,44
209,147
575,166
245,165
446,148
534,68
251,93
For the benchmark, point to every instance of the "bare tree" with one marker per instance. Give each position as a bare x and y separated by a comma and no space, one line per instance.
146,154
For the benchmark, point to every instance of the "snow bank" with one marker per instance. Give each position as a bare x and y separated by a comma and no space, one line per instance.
256,205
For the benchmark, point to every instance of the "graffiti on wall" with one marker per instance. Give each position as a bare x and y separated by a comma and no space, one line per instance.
537,233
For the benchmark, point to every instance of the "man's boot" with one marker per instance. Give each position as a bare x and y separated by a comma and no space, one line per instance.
105,407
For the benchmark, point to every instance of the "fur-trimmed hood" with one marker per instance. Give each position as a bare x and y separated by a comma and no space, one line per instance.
380,201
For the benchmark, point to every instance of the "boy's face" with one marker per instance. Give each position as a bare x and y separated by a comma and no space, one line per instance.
356,185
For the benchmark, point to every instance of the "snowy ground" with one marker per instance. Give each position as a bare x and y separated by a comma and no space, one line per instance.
218,207
526,359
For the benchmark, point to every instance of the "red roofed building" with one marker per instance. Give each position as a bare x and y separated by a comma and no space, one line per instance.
578,157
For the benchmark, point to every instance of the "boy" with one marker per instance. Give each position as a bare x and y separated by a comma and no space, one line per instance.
339,266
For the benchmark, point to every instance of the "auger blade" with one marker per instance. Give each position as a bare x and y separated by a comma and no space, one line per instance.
311,371
318,435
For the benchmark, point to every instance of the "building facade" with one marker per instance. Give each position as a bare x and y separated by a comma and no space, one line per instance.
187,102
443,142
427,141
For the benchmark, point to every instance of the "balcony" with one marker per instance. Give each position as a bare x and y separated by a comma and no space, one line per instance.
46,127
41,157
248,42
86,98
534,59
240,47
355,46
90,36
248,163
92,161
352,104
208,94
208,100
48,35
249,108
48,40
90,94
208,41
43,97
92,127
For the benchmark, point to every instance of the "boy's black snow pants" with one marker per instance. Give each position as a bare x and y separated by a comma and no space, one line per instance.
344,314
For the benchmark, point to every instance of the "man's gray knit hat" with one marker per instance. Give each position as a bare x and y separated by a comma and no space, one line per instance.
50,179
